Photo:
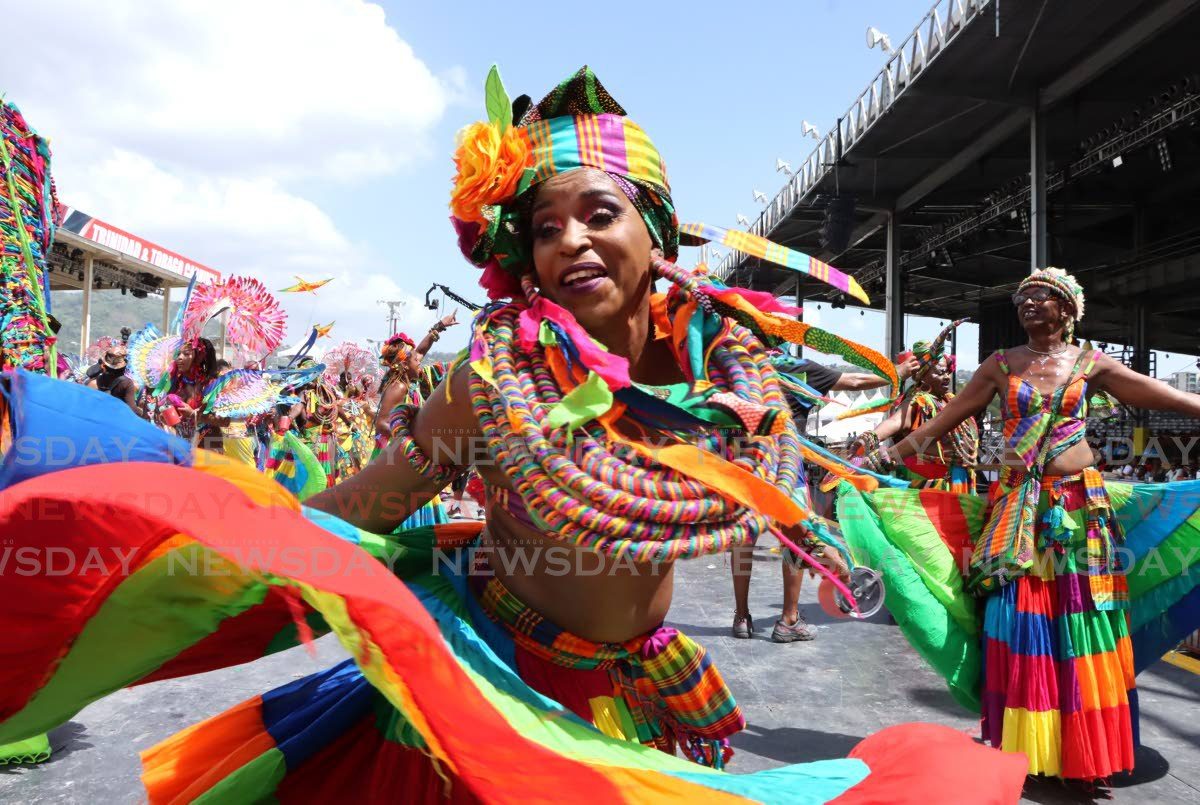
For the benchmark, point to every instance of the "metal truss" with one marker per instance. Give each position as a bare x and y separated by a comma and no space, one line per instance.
1016,203
936,30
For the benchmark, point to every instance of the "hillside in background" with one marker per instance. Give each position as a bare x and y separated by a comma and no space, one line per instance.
110,312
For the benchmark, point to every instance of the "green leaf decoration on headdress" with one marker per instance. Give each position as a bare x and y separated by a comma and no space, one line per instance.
499,107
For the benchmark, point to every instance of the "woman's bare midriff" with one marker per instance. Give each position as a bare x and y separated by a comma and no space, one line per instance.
1073,461
582,591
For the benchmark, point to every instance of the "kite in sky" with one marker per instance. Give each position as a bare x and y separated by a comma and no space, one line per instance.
305,285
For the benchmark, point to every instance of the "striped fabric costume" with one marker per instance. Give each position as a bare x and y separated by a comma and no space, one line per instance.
1086,584
319,429
952,468
665,667
1065,617
27,202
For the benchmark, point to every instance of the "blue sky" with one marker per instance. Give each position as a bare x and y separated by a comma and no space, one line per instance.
314,137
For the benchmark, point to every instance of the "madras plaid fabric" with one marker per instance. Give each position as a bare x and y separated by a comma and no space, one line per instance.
1038,430
611,143
1110,589
1031,426
674,693
1108,586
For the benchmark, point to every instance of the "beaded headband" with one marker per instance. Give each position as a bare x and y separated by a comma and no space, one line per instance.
1061,283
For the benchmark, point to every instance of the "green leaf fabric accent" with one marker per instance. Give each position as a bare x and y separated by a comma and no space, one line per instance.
587,401
499,107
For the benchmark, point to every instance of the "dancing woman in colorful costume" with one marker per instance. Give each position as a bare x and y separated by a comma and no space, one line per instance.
399,390
1084,584
948,464
401,359
540,679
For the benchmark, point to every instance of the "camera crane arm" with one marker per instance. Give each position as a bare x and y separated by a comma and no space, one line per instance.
432,305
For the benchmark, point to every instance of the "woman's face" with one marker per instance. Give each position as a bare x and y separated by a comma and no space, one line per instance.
183,361
591,249
1039,308
937,379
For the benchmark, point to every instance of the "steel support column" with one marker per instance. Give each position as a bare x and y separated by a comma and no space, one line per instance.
1141,363
894,309
1141,353
800,316
1038,247
166,317
85,320
954,355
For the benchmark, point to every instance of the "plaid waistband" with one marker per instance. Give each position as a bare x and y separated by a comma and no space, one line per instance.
673,692
1016,528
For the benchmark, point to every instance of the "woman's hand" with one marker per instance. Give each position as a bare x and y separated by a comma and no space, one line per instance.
449,321
908,367
832,560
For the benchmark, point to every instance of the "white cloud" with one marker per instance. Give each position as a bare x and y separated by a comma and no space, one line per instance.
285,87
205,126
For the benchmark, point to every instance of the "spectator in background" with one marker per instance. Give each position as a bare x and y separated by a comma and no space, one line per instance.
111,379
791,625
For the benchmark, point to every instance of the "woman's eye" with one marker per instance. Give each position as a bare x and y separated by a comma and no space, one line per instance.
602,218
545,230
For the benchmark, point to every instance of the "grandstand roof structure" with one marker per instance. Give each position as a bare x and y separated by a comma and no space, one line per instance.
1002,134
92,255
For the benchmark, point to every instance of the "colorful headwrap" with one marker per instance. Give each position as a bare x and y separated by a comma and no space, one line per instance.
928,355
578,125
1063,284
396,349
394,356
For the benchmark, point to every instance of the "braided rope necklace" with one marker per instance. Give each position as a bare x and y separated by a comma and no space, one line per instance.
607,493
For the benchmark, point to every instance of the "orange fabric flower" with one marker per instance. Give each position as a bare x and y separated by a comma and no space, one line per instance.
490,166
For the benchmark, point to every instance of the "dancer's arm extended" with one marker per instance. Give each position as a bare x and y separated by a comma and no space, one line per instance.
388,489
1140,391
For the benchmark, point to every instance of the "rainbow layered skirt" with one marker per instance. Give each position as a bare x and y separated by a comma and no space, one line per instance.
1048,658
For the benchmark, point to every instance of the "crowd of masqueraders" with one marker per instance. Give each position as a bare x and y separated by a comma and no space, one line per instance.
606,381
336,409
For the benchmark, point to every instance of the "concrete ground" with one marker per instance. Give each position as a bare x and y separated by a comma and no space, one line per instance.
803,701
